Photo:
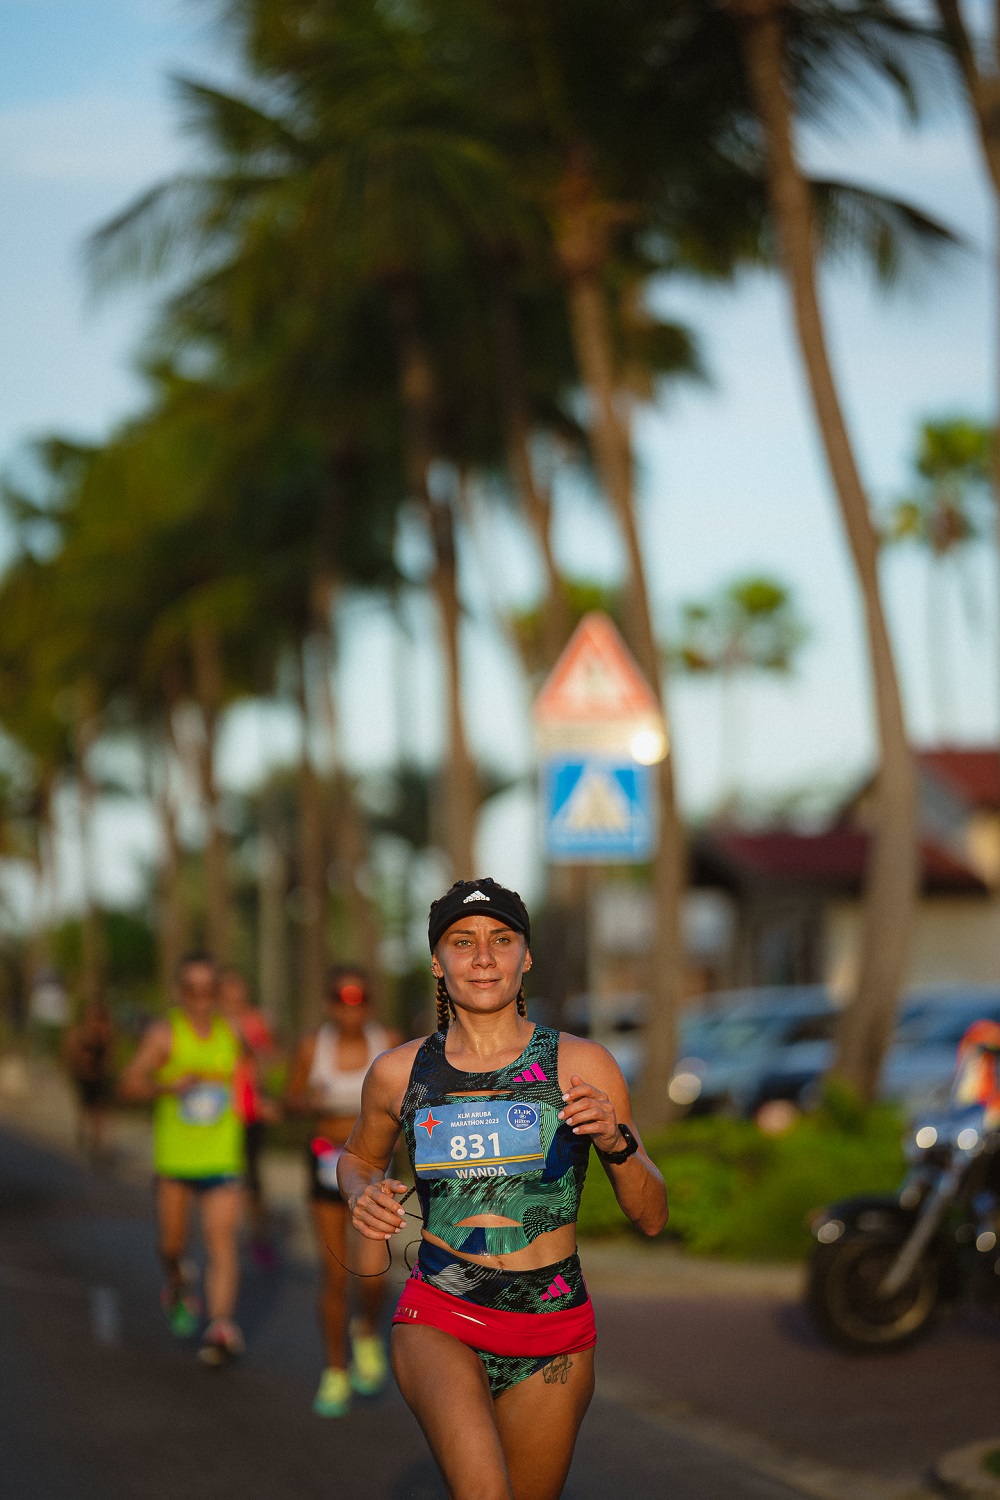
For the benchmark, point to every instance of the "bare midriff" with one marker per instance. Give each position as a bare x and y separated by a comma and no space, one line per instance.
555,1245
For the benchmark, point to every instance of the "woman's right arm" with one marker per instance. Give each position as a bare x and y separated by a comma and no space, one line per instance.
370,1195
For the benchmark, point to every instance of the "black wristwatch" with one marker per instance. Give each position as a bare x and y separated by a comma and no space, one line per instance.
615,1158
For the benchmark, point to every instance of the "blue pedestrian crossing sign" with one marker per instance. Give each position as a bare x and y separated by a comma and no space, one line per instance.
599,730
599,809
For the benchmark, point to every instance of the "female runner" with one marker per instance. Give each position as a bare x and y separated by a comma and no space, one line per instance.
325,1081
493,1337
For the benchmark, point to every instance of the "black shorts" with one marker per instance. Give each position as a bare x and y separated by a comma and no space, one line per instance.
254,1137
322,1156
201,1185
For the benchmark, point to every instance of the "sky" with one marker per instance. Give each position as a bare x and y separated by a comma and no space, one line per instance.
732,476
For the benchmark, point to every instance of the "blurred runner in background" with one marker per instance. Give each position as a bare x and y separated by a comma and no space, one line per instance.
326,1077
88,1053
977,1070
253,1108
188,1065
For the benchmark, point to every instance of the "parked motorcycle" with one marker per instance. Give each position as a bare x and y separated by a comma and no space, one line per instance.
882,1267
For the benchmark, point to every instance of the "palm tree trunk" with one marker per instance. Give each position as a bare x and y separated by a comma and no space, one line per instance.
312,861
536,504
891,879
348,836
417,386
172,936
39,954
207,659
984,97
272,925
582,249
351,844
170,906
461,796
93,964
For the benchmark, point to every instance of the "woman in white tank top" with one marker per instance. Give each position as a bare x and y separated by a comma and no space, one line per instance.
327,1075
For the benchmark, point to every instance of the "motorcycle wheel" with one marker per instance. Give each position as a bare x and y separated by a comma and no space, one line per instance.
843,1300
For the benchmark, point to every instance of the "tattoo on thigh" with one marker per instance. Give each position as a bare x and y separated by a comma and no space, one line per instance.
557,1370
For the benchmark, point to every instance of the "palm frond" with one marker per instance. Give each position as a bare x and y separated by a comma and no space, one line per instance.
235,127
893,236
186,217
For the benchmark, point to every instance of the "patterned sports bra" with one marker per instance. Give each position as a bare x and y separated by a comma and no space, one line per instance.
492,1143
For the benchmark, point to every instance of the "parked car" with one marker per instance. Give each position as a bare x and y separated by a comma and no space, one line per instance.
739,1039
918,1066
741,1049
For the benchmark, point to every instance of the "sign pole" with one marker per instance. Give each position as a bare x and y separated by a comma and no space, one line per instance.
600,734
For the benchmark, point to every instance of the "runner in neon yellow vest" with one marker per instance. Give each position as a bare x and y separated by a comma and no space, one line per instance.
197,1134
186,1065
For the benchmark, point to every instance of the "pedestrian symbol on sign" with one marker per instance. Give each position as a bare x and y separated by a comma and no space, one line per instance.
601,810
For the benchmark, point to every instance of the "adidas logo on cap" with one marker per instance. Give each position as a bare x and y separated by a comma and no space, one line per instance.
476,896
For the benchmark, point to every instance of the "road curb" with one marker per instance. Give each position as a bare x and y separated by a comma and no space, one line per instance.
961,1471
806,1476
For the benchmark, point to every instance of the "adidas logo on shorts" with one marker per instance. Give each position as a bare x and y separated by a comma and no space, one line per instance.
476,896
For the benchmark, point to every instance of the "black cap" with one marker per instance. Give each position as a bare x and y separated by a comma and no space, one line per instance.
478,898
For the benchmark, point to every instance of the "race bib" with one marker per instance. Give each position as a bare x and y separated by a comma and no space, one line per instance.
479,1139
327,1157
205,1104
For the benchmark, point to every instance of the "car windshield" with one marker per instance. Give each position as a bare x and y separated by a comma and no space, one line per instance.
724,1036
736,1033
945,1024
697,1035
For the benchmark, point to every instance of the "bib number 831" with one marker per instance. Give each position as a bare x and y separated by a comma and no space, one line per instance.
475,1149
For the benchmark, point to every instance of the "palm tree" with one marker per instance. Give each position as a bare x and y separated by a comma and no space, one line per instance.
979,68
891,880
347,220
630,140
56,678
944,516
359,206
749,627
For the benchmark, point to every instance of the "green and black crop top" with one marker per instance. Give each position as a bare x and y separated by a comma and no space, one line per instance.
492,1143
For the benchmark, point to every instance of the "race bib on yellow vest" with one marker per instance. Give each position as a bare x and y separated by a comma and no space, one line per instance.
205,1104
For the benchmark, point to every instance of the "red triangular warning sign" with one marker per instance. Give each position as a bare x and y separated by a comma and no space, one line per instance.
596,678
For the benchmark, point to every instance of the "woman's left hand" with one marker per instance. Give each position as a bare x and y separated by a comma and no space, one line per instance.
589,1111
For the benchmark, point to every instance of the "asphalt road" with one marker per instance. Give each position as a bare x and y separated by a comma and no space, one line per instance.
754,1364
98,1402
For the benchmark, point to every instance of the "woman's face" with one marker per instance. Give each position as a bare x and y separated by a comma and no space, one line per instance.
482,962
347,1005
198,984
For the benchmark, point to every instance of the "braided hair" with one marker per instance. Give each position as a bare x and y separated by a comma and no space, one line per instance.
446,1007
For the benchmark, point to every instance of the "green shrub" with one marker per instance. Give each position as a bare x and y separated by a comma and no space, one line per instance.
734,1191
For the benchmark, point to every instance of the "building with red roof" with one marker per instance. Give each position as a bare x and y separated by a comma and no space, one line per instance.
793,897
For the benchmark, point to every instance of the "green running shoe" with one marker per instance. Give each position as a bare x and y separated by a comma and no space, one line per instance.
369,1367
333,1399
183,1313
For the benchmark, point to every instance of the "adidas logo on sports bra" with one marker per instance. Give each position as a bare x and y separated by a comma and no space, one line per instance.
532,1074
476,896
